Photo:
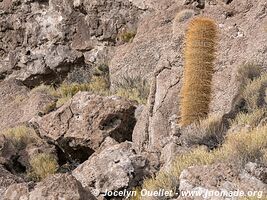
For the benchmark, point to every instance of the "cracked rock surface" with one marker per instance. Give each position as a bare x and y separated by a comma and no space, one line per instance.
42,41
163,67
19,105
81,125
112,169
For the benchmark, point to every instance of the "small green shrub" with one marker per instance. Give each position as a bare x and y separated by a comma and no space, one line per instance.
43,165
134,88
21,136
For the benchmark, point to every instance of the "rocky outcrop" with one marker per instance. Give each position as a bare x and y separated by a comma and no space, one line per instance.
220,178
7,150
7,179
115,168
82,124
17,191
142,56
41,41
19,105
55,41
158,122
16,153
60,186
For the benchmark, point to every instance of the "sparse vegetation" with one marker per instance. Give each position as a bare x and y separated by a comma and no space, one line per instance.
138,194
243,147
248,72
209,132
21,136
127,36
169,180
98,85
69,90
49,107
254,92
239,149
250,120
43,165
62,100
134,88
47,89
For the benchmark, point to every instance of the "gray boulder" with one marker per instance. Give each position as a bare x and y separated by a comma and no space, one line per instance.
114,168
59,186
81,125
7,179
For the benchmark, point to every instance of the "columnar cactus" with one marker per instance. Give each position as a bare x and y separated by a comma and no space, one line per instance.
199,55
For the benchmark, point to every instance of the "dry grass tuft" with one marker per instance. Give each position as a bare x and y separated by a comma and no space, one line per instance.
133,88
250,120
209,132
239,149
248,72
127,36
98,85
254,92
42,165
49,107
138,194
243,147
21,136
169,180
44,89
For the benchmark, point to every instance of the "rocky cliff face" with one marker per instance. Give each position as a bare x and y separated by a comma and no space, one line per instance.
97,138
43,41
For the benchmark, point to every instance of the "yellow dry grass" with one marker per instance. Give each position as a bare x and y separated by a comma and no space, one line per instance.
21,136
43,165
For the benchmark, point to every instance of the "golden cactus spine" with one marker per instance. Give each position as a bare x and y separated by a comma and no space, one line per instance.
199,55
